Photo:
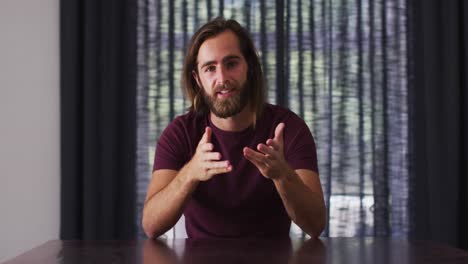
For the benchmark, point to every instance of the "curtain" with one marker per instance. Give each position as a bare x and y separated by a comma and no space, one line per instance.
439,114
339,64
98,119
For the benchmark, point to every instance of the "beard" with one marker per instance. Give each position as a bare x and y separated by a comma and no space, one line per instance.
230,106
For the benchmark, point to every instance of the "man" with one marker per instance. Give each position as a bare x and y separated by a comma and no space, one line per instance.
233,165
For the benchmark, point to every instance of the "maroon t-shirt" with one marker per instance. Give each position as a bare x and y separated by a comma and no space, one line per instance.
241,203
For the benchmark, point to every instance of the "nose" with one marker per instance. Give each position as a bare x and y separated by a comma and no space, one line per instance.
221,77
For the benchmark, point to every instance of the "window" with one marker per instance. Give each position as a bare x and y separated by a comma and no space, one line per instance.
344,73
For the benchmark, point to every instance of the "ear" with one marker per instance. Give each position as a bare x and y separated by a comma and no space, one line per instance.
195,76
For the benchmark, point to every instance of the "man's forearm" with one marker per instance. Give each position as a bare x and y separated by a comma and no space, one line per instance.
162,211
305,207
164,208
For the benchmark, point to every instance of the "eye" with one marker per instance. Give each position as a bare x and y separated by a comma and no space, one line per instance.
231,64
210,68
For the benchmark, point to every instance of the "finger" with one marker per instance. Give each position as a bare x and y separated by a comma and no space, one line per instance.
273,143
279,133
206,136
260,165
208,132
251,155
207,147
212,156
217,164
219,170
257,164
269,151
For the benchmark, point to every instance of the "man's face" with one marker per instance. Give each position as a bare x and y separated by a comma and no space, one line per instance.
222,74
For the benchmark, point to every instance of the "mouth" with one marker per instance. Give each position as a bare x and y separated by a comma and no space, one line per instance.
225,93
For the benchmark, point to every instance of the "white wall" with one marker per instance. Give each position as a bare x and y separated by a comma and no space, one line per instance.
29,125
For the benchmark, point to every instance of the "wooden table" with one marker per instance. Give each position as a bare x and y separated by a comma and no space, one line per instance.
325,250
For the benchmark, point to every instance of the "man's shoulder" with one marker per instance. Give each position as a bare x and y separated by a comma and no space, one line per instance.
189,119
185,125
281,113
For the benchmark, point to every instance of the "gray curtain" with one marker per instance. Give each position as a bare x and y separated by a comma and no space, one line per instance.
339,64
439,114
97,119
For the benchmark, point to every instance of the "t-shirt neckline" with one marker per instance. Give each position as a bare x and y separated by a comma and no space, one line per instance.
216,129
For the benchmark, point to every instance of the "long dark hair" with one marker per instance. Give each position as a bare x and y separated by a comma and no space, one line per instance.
256,85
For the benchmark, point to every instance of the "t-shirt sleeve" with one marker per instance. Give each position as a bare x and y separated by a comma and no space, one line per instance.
171,149
300,150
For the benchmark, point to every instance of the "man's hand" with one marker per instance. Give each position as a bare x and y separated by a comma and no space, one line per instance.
206,163
300,190
169,190
269,159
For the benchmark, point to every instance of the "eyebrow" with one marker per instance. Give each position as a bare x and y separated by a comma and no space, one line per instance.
227,58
